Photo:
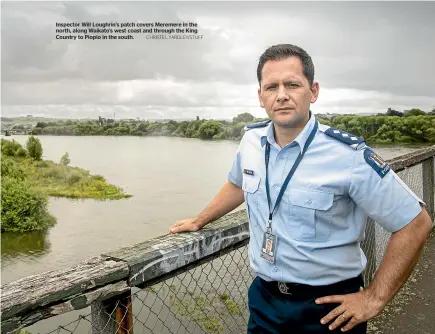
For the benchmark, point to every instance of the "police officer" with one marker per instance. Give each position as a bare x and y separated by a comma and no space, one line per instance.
309,189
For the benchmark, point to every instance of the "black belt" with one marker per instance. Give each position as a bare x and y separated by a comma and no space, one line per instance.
304,291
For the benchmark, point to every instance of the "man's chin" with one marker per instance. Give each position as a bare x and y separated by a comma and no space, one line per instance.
286,123
289,122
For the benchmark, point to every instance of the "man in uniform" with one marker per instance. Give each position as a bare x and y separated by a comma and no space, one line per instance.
309,189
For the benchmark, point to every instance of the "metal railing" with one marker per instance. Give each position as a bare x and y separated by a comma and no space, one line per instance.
183,283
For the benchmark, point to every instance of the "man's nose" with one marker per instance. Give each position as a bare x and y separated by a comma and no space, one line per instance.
282,94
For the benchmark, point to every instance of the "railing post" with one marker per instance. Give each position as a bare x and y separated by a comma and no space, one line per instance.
428,185
369,247
113,316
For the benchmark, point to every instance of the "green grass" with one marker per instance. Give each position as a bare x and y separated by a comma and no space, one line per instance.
58,180
207,308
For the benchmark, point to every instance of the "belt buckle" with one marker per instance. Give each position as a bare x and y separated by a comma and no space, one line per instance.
283,288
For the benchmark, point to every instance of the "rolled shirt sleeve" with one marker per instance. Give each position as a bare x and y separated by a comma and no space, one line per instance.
381,194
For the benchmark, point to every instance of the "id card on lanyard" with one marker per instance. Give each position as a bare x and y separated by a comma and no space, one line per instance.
268,250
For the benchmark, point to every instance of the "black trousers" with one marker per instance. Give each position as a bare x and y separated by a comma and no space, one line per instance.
272,312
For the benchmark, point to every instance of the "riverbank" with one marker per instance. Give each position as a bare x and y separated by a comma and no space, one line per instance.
57,180
28,181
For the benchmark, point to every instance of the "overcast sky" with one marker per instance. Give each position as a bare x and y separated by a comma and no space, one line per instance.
367,56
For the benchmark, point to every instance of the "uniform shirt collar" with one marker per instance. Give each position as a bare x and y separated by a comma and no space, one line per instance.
301,138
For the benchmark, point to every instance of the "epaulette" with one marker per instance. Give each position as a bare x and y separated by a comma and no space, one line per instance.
343,136
257,125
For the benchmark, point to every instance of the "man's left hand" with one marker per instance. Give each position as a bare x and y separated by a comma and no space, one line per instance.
354,308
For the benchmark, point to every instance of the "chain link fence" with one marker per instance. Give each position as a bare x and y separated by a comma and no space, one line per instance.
377,237
210,298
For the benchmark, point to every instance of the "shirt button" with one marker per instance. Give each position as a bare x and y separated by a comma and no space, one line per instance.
276,186
309,201
275,269
282,158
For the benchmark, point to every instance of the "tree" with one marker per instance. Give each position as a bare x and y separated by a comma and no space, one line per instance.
23,208
243,118
65,160
41,125
392,112
192,129
414,112
209,129
34,147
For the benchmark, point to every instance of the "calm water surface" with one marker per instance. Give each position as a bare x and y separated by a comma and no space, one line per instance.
169,178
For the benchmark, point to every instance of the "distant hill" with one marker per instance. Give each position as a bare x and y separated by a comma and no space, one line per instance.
29,119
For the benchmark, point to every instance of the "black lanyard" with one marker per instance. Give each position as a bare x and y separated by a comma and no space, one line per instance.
289,176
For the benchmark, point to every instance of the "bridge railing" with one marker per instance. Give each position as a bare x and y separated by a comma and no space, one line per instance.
182,283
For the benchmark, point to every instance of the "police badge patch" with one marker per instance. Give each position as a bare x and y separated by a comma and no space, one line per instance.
376,162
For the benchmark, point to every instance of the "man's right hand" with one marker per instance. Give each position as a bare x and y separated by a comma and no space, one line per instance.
186,225
228,198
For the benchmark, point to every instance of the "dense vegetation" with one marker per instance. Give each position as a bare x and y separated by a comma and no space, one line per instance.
414,126
27,181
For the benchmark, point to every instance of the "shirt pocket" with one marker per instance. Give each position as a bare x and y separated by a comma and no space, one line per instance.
310,214
250,186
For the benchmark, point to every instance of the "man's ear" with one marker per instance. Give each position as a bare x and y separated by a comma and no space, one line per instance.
259,98
314,91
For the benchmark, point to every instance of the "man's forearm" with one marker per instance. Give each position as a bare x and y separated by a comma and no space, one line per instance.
227,199
402,254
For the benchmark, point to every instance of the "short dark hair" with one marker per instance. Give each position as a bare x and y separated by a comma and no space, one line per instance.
283,51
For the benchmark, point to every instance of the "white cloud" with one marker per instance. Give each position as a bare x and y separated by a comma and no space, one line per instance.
368,57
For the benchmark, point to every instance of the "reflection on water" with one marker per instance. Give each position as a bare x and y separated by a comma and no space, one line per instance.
24,246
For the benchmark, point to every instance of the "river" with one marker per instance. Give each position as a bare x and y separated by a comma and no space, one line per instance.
169,178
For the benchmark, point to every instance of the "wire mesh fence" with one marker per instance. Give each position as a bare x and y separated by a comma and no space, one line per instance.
210,298
377,237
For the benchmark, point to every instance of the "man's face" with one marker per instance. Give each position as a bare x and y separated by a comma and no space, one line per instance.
285,92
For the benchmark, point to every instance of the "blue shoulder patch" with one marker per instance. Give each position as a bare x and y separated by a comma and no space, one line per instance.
376,162
344,136
257,125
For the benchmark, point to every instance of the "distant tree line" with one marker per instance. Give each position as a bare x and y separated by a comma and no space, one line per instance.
198,128
412,126
407,113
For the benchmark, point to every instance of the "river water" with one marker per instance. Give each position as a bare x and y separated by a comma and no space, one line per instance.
170,179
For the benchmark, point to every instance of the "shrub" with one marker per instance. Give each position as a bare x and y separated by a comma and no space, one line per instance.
54,173
21,152
10,169
98,177
42,164
74,178
34,147
65,160
23,208
208,129
10,147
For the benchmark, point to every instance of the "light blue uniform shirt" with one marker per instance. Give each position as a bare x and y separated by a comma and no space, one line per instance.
321,219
